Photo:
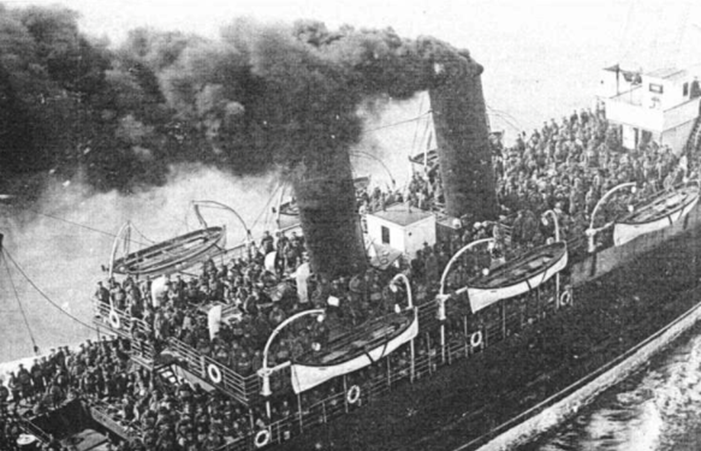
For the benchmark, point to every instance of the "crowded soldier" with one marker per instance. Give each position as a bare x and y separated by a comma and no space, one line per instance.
564,166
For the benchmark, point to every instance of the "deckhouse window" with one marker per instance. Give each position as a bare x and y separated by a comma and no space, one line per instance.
656,88
385,235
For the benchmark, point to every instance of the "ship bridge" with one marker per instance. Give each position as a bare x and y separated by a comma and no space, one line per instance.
660,105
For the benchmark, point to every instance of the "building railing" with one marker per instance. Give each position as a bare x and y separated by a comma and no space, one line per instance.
682,113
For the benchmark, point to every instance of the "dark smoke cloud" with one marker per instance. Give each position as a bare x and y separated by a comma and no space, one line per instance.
277,94
260,96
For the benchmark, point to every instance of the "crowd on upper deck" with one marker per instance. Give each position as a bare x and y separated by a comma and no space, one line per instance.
164,418
568,166
95,369
565,166
255,298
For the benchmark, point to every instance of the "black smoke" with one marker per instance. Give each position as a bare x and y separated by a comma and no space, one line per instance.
277,94
261,96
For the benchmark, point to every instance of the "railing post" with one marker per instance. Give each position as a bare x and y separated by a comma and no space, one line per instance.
412,347
443,342
345,393
503,320
300,413
464,334
431,354
389,372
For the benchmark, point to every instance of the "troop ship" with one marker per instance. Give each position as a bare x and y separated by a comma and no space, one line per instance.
483,350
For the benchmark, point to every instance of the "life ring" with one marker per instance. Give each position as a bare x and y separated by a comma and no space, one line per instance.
26,439
476,339
214,373
566,297
114,320
353,395
262,438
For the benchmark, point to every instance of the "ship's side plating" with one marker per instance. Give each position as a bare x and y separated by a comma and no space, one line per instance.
449,331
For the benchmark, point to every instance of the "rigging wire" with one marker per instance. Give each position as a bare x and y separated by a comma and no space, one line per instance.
624,51
360,153
87,227
68,221
142,235
394,124
19,303
267,204
681,32
507,118
416,129
44,295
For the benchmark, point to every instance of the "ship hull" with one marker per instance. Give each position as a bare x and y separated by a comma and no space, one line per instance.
602,262
454,409
565,404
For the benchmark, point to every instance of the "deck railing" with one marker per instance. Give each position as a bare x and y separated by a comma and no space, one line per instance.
243,388
124,325
465,339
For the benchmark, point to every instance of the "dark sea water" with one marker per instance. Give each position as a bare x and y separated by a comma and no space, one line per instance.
655,409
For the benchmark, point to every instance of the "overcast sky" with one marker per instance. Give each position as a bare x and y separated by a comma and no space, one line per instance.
461,22
524,45
447,19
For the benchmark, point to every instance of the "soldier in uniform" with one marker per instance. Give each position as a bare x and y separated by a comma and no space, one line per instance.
4,396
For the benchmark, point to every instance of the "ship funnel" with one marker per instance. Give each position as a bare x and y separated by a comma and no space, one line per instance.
327,209
462,136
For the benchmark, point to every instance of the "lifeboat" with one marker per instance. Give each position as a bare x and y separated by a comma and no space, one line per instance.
517,276
175,254
657,213
290,208
350,352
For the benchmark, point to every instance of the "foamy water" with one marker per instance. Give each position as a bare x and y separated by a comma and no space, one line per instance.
656,409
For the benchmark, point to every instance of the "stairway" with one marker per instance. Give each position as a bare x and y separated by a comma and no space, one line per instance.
693,145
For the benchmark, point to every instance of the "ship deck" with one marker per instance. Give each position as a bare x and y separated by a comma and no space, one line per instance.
470,398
